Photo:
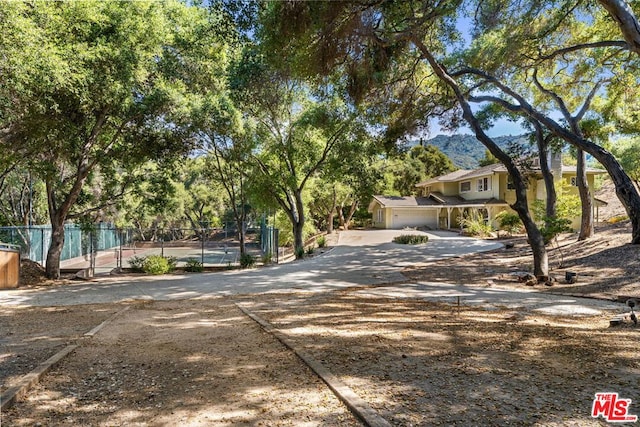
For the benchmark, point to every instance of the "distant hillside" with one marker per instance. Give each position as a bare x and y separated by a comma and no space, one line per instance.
465,150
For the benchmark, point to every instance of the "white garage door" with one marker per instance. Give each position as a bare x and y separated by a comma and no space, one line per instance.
402,218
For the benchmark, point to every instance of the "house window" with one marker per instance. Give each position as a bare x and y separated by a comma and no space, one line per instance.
574,181
379,215
465,186
483,184
510,184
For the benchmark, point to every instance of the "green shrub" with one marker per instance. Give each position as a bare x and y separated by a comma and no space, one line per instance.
266,258
194,266
474,224
322,242
156,264
172,261
411,239
554,226
137,263
247,260
299,253
509,222
310,250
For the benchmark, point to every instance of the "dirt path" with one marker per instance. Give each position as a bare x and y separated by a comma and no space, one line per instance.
426,364
187,363
606,265
416,363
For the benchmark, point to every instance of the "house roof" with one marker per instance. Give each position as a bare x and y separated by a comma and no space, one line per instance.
433,200
405,202
463,174
573,169
450,177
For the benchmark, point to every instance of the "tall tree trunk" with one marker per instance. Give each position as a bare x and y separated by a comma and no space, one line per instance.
586,222
332,211
547,175
298,224
352,210
242,236
625,189
536,241
623,14
54,253
58,213
298,238
330,216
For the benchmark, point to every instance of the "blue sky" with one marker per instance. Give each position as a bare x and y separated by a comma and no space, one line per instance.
502,127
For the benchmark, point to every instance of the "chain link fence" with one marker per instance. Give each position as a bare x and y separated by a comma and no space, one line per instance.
104,247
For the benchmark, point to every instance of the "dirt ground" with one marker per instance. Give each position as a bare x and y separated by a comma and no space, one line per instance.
607,265
186,363
202,362
423,364
417,363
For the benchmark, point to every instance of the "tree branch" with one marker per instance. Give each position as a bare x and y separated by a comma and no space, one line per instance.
583,46
622,13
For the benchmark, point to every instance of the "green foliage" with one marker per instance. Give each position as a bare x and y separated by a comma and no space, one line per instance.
137,263
310,250
553,226
172,262
299,252
464,150
418,164
95,89
21,195
266,258
509,222
488,159
474,224
322,241
194,266
156,264
411,239
153,264
247,260
567,208
628,153
285,237
433,160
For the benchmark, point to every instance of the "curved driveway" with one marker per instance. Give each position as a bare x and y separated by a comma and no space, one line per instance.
360,258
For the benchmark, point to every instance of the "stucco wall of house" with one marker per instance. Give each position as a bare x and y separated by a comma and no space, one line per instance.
449,188
378,213
474,194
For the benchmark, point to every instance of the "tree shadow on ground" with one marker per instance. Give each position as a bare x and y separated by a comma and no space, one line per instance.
426,363
181,363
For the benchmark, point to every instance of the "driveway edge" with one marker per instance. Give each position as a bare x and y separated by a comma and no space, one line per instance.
18,391
354,403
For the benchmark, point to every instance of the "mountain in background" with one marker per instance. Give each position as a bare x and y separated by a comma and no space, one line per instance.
465,151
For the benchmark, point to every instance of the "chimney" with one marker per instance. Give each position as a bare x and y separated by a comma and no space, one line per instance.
555,164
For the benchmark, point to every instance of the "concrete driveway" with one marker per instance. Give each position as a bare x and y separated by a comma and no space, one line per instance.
360,258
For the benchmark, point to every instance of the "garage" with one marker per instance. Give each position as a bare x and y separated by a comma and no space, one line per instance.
418,217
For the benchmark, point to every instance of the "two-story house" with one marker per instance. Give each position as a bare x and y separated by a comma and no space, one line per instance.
443,200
